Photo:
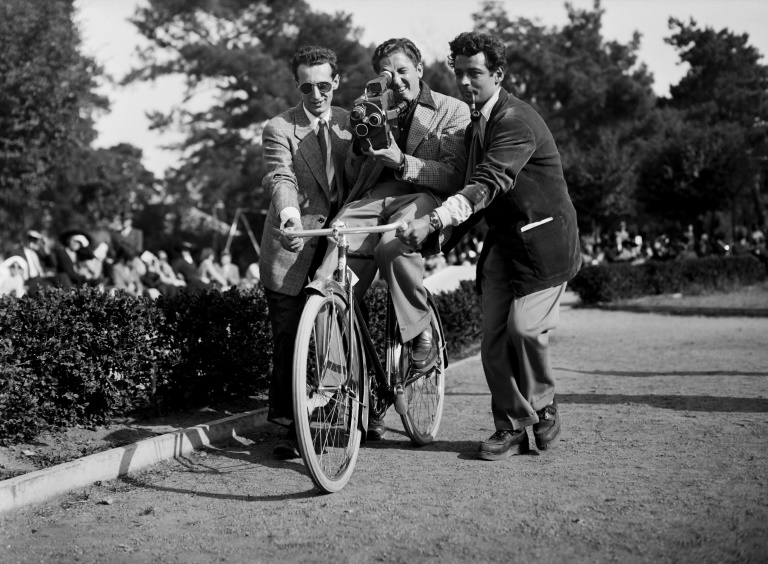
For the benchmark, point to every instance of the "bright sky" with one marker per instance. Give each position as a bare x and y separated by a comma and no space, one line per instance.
111,39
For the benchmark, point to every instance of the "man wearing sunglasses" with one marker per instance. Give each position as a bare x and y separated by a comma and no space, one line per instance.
304,152
408,179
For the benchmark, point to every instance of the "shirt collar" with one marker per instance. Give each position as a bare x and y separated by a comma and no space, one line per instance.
313,119
425,97
488,106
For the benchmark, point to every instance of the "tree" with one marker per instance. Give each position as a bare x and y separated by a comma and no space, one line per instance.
692,170
241,50
46,100
593,94
726,89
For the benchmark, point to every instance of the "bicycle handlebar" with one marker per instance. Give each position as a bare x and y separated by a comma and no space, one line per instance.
334,231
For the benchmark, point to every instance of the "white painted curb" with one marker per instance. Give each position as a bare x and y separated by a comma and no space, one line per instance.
108,465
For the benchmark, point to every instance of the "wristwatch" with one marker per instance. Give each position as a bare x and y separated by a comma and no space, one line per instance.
434,221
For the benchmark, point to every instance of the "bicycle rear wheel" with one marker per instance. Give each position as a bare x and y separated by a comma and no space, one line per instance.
328,387
426,393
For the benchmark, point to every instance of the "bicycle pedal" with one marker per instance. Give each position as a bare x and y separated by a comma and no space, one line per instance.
401,403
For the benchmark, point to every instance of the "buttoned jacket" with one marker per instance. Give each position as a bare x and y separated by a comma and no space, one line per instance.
296,177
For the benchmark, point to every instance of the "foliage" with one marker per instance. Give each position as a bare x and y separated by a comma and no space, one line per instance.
46,101
726,89
74,358
620,281
220,346
242,50
592,93
692,169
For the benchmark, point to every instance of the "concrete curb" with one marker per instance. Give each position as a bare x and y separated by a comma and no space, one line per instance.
44,484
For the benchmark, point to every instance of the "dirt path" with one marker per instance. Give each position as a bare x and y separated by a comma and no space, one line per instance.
663,459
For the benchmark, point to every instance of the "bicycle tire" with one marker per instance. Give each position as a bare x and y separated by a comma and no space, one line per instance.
327,391
425,396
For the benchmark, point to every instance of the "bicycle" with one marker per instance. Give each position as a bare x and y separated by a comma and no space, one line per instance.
338,377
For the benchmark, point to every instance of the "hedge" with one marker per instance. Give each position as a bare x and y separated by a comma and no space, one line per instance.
621,281
82,357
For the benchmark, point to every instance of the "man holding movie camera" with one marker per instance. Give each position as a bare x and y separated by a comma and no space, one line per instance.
407,158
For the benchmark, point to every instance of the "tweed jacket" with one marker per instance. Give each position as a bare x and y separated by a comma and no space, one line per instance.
296,178
435,156
518,184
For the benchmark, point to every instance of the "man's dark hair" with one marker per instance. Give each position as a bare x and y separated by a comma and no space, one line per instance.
471,43
312,55
395,45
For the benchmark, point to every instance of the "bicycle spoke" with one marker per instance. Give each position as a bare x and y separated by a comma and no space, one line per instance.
330,435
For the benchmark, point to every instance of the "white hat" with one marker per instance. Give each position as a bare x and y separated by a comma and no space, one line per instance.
82,239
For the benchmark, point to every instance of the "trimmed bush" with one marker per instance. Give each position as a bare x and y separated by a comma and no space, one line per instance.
621,281
73,358
82,357
219,346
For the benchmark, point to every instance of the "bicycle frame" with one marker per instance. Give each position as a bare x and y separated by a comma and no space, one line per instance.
343,287
332,413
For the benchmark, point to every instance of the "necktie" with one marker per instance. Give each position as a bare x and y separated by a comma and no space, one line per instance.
321,137
475,154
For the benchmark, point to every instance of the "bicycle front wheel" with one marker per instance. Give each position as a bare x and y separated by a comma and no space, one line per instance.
425,394
328,389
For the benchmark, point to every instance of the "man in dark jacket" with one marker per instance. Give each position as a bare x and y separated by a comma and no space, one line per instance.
515,180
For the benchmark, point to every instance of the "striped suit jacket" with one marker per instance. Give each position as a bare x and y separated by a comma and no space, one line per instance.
296,178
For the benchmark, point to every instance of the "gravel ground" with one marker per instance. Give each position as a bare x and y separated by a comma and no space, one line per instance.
663,458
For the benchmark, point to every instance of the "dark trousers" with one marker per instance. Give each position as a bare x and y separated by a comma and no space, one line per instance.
284,316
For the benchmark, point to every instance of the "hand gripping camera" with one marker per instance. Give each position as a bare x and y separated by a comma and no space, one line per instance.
376,114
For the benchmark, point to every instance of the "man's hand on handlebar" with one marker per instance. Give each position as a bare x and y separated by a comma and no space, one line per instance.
390,157
415,233
292,244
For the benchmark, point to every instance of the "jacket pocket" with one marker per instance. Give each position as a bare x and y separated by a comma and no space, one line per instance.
549,248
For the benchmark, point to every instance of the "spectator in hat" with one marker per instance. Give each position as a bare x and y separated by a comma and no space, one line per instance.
12,275
38,275
68,256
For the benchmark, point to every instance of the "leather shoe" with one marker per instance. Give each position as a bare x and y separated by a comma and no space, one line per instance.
288,446
547,430
286,449
503,444
424,351
377,430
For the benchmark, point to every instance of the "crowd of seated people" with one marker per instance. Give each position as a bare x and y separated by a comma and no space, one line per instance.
113,261
637,248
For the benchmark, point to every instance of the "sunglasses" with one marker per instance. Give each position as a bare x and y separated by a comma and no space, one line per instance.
323,87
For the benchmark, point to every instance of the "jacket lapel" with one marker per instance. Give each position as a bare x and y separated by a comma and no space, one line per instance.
421,125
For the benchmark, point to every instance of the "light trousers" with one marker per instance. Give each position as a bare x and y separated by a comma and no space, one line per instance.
515,347
399,265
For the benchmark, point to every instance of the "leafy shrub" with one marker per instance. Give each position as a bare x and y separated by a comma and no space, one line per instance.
621,281
72,358
220,346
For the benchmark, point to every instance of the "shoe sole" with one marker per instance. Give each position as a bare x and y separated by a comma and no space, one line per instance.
513,451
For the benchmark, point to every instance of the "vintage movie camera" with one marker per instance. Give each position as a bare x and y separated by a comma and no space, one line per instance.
376,114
